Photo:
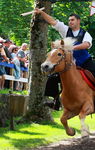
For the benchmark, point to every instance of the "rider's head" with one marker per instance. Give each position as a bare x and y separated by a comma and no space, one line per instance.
74,21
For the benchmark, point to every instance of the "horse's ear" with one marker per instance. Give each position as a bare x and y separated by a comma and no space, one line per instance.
52,45
62,42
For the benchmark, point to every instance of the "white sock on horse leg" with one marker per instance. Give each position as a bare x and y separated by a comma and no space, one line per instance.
84,128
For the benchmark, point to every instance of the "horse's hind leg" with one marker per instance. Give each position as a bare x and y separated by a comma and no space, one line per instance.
86,109
67,115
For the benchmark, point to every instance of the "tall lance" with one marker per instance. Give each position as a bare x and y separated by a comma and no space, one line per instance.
31,12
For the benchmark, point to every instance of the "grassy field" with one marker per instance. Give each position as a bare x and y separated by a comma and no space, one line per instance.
6,91
27,136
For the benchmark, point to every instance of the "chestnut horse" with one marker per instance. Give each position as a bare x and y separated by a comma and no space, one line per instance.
77,97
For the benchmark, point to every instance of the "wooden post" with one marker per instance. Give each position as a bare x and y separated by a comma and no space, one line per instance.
11,122
11,82
25,75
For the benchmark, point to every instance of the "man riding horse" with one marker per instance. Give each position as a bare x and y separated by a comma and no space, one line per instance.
80,53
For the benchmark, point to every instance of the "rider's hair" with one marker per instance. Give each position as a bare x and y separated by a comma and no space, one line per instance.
75,15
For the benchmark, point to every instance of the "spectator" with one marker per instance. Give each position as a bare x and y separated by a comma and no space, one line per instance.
7,44
2,68
14,49
15,60
22,55
23,60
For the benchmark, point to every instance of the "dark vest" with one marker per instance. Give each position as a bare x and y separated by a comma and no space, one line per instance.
80,55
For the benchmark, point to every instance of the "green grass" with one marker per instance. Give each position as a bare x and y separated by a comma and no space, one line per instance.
27,136
6,91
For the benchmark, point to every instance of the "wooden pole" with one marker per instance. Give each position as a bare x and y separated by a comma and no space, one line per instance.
31,12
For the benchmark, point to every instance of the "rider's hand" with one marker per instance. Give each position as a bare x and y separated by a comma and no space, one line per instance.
37,11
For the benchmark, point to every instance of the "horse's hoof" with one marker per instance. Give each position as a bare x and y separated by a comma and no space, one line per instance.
85,133
71,132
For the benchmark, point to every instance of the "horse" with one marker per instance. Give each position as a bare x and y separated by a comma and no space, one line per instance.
77,97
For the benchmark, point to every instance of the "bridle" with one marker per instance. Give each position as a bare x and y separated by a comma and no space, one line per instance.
67,65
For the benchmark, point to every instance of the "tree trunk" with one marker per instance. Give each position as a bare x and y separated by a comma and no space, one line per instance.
38,48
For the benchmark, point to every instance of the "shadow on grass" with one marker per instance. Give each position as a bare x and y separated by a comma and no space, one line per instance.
23,142
4,132
26,144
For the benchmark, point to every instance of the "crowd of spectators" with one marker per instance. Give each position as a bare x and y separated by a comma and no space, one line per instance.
12,54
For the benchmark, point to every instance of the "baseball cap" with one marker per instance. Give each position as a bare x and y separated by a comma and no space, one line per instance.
7,40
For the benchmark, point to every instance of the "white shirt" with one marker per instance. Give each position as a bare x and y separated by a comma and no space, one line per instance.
62,29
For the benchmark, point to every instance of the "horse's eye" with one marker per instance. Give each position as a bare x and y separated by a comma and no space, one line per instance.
59,54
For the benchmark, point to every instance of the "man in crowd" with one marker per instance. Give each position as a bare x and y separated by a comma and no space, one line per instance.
23,59
22,55
6,45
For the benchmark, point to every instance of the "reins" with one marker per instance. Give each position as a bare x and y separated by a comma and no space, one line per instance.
67,67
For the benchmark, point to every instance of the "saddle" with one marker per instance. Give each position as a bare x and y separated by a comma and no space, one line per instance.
88,77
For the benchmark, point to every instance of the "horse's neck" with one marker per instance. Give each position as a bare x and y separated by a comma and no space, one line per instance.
70,76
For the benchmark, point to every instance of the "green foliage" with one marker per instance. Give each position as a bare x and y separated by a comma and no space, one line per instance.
13,25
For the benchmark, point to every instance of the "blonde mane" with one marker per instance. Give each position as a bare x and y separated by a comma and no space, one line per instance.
68,43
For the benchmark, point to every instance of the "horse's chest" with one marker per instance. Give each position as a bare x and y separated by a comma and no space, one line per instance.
71,103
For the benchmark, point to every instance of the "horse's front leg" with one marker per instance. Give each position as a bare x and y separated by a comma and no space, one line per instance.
67,115
87,108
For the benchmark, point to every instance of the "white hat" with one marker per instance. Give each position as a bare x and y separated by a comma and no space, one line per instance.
12,47
2,40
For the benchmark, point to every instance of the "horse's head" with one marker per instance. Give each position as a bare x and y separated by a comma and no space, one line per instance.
59,57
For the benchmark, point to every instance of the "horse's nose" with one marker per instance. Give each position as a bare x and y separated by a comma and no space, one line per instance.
45,67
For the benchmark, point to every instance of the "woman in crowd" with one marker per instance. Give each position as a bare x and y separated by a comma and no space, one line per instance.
15,60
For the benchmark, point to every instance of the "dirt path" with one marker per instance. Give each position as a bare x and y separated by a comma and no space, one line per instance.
71,144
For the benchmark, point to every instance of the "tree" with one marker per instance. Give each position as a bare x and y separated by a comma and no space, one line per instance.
38,49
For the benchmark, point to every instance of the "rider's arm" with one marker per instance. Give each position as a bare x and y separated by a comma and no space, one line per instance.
59,26
46,17
86,44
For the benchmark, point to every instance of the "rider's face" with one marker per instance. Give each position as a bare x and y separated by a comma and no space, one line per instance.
74,23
